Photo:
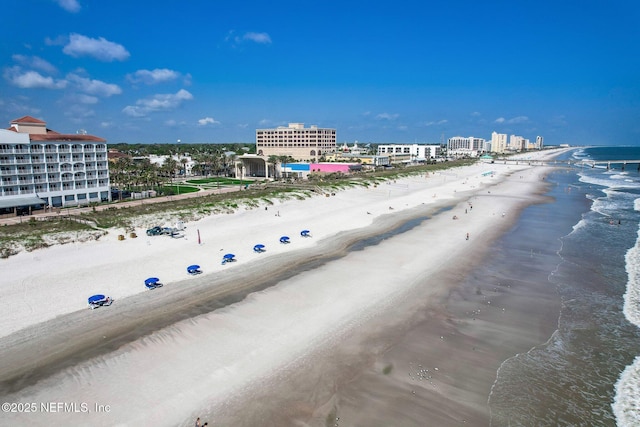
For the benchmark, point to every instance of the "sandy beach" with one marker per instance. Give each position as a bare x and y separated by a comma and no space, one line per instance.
369,322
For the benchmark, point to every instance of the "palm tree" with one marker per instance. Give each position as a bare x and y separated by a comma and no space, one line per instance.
184,162
170,165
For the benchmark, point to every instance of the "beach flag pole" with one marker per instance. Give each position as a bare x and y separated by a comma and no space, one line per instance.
198,236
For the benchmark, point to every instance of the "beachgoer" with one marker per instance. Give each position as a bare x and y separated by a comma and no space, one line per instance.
198,422
467,236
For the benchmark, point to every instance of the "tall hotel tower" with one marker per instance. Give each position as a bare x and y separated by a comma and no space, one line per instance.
296,141
39,166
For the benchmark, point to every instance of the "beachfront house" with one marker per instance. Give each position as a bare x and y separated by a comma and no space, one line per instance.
42,168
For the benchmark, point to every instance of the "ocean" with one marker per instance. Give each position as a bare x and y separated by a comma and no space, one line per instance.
588,372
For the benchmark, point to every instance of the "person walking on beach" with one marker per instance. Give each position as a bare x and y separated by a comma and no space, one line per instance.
467,236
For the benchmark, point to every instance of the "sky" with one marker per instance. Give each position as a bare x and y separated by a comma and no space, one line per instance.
203,71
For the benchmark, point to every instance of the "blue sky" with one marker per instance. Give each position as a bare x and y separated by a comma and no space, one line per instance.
403,71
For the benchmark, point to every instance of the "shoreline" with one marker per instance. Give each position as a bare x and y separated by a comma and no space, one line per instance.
177,302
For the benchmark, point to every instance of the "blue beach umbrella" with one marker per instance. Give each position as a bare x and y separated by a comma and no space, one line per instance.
229,257
151,281
284,239
258,248
96,298
193,267
305,233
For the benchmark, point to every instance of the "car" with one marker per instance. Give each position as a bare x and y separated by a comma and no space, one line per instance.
155,231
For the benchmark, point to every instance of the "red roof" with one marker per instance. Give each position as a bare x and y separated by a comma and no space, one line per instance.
55,136
28,119
52,135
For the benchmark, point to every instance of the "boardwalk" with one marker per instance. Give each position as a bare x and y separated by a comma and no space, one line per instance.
609,164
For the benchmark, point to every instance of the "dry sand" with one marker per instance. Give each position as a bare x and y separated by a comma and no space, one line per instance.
302,334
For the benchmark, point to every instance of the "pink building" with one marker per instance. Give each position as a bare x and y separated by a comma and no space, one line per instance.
333,167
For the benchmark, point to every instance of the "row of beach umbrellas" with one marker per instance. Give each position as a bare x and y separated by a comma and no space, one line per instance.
194,269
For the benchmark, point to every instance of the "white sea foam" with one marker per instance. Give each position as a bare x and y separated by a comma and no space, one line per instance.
626,406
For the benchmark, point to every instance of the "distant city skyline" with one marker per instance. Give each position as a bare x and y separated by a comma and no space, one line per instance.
409,71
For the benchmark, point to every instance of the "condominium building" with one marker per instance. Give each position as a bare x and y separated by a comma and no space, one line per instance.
409,152
39,166
498,142
517,143
296,141
465,146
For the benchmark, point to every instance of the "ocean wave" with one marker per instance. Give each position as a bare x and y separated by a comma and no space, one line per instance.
632,294
626,405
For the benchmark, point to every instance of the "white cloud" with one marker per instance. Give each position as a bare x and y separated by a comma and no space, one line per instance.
519,119
35,62
476,114
58,41
31,79
94,87
435,123
150,77
69,5
208,121
262,38
160,102
84,99
99,48
515,120
387,116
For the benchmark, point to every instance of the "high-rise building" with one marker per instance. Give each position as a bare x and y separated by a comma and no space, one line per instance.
296,141
465,146
498,142
39,166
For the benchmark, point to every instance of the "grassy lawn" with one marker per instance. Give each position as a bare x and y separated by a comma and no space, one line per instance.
217,180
